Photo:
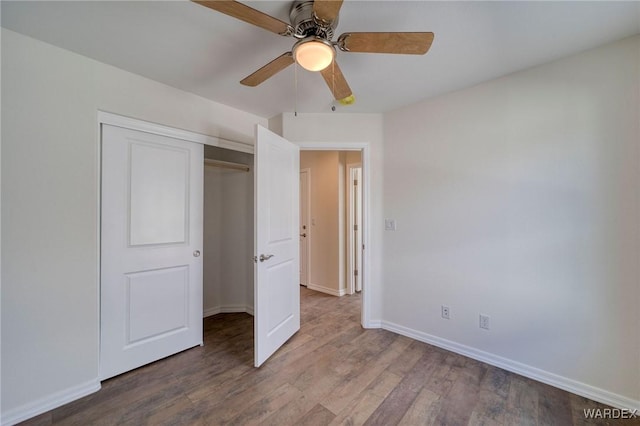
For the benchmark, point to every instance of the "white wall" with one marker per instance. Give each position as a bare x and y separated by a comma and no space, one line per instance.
518,199
336,128
212,242
237,241
50,207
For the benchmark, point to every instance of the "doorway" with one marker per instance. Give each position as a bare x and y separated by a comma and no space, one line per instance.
331,221
364,149
228,231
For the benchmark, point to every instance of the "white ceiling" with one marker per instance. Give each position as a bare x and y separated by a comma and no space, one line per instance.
201,51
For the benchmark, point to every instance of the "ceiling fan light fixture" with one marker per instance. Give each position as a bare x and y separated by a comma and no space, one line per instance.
314,54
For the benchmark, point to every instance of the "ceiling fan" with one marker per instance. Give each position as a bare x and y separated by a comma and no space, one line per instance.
313,24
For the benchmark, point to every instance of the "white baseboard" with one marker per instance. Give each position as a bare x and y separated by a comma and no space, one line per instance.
327,290
50,402
374,324
58,399
564,383
226,309
207,312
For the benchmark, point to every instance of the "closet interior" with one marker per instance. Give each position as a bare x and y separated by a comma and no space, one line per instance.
228,231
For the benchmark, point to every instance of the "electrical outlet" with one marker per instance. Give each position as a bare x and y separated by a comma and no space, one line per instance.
484,322
445,312
389,224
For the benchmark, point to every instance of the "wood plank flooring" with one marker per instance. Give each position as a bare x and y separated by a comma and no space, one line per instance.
332,372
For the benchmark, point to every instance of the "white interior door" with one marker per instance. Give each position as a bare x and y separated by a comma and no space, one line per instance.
276,287
357,217
305,231
151,236
354,224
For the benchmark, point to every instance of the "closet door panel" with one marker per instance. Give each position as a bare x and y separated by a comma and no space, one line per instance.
151,243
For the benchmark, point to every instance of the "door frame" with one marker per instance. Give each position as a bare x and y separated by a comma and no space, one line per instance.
365,149
307,240
117,120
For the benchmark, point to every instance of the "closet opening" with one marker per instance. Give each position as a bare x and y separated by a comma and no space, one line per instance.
228,247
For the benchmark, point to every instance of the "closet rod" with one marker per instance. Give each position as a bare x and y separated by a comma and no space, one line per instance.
226,165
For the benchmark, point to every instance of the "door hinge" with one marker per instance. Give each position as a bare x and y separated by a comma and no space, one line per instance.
355,272
355,182
355,227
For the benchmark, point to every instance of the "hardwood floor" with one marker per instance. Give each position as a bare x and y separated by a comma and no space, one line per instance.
332,372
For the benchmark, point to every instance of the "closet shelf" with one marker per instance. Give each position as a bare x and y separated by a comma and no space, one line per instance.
226,165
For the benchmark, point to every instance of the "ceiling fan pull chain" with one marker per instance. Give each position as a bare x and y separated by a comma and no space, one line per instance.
295,90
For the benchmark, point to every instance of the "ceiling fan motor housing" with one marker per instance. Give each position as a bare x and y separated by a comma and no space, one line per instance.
305,23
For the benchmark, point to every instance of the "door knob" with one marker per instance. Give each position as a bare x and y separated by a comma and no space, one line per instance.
196,253
304,235
265,257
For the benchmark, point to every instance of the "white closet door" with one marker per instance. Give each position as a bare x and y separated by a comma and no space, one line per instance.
151,236
277,290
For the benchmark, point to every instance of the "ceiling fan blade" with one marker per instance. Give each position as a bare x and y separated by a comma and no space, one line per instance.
405,43
247,14
327,10
269,70
335,80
